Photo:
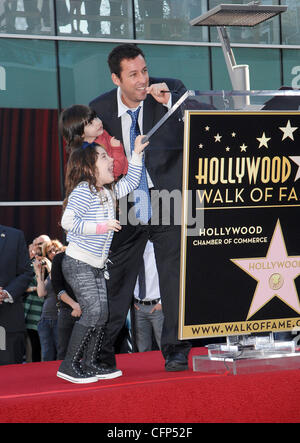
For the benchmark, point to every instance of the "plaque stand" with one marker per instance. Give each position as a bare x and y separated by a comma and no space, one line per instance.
241,354
245,354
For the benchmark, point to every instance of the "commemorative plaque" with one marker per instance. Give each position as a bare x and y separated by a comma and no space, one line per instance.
240,247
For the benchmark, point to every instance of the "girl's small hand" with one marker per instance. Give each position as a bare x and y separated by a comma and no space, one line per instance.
113,225
76,311
138,145
114,142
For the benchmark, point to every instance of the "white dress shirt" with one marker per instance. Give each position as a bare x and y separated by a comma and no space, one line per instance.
151,275
126,124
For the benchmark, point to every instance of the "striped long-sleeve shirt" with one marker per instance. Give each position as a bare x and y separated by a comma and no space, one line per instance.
85,209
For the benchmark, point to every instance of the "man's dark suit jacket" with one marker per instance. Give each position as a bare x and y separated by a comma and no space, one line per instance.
163,156
15,276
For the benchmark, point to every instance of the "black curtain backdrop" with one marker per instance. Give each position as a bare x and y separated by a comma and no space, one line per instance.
30,170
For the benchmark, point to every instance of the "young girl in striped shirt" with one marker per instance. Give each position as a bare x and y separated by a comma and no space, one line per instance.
89,219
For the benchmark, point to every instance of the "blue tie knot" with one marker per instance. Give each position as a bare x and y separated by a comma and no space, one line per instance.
134,114
134,129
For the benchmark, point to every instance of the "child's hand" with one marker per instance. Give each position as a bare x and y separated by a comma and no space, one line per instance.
138,145
76,310
110,225
114,142
113,225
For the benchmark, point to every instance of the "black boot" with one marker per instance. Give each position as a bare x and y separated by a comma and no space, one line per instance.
93,357
73,367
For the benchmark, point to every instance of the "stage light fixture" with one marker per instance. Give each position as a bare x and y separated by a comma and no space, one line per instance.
224,15
238,15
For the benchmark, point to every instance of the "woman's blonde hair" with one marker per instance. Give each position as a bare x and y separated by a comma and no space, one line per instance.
47,245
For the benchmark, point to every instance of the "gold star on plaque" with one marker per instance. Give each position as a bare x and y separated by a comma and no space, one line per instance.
206,128
263,140
288,131
200,146
218,138
243,147
233,134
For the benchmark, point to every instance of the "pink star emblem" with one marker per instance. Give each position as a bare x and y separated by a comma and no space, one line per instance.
274,273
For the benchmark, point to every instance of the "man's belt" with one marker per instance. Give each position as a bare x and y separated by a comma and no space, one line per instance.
147,303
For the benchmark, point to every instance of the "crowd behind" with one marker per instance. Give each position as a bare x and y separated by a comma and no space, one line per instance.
41,306
51,309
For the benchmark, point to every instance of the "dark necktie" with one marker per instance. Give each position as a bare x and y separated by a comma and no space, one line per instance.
141,194
142,281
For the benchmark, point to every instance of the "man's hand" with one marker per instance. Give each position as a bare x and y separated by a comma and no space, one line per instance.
3,295
158,92
157,307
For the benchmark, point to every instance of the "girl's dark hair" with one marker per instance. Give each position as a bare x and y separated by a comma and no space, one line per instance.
121,52
72,122
81,167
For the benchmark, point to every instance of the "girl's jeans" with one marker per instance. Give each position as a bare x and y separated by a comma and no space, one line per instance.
89,287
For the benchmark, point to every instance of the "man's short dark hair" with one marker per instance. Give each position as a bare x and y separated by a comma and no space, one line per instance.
121,52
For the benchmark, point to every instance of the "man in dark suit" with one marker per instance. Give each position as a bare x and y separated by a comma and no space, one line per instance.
15,275
163,162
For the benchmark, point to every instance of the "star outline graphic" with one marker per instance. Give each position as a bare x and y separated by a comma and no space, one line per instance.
260,282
